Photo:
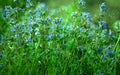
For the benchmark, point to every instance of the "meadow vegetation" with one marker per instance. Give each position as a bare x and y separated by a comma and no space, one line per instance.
67,40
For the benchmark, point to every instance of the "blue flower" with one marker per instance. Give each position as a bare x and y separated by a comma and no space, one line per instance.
30,39
6,14
104,57
83,49
1,55
28,0
87,15
57,20
49,18
27,5
110,53
92,37
13,29
37,14
43,5
29,30
82,29
23,30
99,49
103,7
60,36
7,11
50,36
104,24
82,2
60,20
1,37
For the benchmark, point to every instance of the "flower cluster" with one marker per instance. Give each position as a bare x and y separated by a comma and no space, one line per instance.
103,7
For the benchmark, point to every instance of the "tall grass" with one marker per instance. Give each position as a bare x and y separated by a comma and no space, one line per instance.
64,41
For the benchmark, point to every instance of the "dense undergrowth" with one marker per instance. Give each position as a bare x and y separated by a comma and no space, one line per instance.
64,41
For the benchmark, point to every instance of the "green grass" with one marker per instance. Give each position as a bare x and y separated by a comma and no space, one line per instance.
61,41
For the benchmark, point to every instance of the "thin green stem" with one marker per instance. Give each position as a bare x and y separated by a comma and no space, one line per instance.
115,54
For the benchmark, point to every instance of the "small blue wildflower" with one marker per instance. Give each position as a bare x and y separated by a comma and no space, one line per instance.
13,30
82,2
1,37
83,49
110,47
96,27
105,10
28,0
104,24
1,55
7,11
7,14
89,23
113,36
27,5
30,39
99,49
110,53
37,14
50,36
68,30
87,15
92,37
73,14
30,29
104,58
103,7
12,21
43,5
60,20
60,35
49,18
82,29
23,30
